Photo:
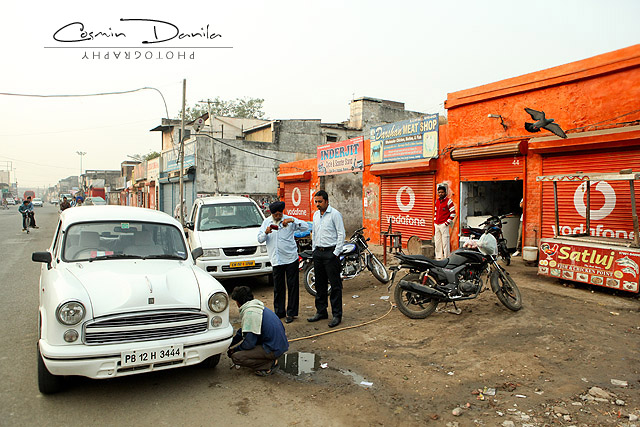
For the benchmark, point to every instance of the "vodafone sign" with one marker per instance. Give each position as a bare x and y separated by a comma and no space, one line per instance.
609,199
297,200
407,203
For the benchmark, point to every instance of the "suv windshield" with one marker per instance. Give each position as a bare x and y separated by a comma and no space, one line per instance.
113,240
228,216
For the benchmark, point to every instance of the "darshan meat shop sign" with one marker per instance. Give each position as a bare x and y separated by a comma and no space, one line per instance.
341,157
407,140
610,266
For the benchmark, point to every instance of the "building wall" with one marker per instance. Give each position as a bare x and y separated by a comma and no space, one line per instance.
600,90
264,134
239,172
301,136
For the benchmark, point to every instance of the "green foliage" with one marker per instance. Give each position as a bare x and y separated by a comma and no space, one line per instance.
144,157
246,108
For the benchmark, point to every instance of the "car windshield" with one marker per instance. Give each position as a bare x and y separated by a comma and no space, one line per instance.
89,241
229,216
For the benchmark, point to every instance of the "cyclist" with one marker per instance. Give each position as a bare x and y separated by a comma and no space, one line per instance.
26,212
4,204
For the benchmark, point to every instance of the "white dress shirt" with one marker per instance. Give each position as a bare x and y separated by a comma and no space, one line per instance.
281,243
328,230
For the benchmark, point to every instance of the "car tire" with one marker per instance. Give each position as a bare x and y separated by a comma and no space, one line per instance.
47,382
211,362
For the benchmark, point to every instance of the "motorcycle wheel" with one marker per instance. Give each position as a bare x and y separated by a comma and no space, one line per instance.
309,279
508,292
378,269
412,305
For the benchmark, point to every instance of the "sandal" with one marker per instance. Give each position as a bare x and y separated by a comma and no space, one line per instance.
265,373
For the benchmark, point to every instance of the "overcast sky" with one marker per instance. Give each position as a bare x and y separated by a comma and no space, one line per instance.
306,59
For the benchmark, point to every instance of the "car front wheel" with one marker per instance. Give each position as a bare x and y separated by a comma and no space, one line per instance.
47,382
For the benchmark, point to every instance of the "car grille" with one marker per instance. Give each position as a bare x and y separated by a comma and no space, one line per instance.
248,267
244,250
145,326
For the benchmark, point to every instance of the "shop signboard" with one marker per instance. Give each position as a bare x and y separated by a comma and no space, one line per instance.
406,140
341,157
171,158
597,264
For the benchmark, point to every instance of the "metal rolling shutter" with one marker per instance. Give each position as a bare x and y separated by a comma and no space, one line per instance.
492,169
298,204
617,221
409,218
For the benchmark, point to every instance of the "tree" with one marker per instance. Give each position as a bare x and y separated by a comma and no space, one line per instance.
144,157
245,108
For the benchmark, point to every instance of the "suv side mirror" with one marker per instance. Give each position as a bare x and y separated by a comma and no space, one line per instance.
42,257
189,225
196,253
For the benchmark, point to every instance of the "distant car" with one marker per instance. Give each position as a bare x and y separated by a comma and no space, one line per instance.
10,201
53,201
94,201
37,202
120,295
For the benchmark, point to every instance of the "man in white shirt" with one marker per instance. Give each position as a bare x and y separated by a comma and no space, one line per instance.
278,231
328,240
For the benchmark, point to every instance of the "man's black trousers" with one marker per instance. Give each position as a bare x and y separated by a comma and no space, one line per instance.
327,268
290,271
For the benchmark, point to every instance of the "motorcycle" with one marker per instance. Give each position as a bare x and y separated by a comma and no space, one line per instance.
460,277
355,257
494,224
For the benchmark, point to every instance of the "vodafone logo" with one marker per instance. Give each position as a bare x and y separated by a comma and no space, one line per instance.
412,198
609,200
296,196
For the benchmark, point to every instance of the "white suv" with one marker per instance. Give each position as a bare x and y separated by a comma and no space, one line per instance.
119,295
226,228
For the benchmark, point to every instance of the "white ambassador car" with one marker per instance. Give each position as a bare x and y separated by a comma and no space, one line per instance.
120,295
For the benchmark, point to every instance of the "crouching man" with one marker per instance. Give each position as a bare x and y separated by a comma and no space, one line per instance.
261,338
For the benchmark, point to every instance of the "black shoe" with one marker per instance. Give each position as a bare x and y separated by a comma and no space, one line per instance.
317,317
288,319
335,322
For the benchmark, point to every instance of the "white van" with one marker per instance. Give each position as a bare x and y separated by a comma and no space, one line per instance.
226,228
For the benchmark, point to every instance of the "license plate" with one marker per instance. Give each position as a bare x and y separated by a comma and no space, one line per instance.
242,264
152,355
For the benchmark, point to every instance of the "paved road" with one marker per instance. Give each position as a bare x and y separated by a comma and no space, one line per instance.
193,395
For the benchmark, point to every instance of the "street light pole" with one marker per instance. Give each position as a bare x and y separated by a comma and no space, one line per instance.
80,153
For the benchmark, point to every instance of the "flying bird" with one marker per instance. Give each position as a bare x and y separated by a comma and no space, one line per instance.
542,123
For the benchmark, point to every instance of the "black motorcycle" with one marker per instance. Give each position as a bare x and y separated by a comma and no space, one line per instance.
460,277
494,225
355,257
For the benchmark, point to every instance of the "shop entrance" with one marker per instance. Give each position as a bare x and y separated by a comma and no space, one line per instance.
481,199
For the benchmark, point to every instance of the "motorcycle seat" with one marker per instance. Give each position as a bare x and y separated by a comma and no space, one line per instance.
438,263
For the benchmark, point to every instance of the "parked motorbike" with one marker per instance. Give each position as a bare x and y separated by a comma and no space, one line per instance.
494,225
355,257
460,277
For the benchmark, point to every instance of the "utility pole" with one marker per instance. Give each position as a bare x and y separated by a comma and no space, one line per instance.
81,153
184,102
213,146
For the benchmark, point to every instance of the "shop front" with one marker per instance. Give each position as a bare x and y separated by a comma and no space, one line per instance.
589,207
407,198
492,183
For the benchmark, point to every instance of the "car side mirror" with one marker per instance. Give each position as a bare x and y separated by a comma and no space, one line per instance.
42,257
197,253
189,225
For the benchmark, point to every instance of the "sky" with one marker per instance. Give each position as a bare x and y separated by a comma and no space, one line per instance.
307,60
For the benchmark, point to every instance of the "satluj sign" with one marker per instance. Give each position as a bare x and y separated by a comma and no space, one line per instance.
597,264
406,140
341,157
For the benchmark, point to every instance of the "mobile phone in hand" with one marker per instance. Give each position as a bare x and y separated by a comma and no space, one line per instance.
274,227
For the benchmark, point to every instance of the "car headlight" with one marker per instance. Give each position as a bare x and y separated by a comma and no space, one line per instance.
211,252
218,302
70,313
263,249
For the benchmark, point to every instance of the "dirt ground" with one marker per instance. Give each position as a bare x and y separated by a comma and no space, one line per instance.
541,361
